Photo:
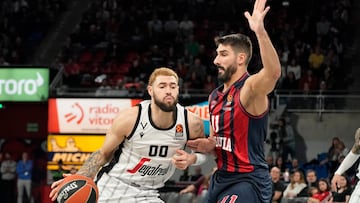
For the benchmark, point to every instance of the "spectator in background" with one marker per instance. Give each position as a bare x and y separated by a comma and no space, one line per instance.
311,178
209,84
336,150
341,193
24,169
295,166
294,67
310,80
296,185
312,182
287,139
270,161
8,178
278,185
279,162
58,174
316,60
290,82
322,193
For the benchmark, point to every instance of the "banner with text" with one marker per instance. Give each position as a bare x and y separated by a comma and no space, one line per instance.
69,115
72,150
24,84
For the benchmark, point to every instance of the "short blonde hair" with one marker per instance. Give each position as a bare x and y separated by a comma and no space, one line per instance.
162,71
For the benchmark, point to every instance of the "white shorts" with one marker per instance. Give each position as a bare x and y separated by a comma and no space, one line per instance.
355,195
113,190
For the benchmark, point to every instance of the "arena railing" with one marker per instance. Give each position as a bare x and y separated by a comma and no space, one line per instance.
318,101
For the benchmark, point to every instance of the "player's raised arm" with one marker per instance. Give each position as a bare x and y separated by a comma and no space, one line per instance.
264,81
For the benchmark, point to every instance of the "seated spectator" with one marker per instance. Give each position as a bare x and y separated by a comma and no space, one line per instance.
342,193
278,185
321,193
296,185
336,150
279,162
311,178
312,182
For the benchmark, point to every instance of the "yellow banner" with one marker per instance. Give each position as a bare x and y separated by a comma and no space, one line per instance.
72,150
74,143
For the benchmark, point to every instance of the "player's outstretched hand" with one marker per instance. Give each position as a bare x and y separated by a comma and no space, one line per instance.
204,145
256,19
55,187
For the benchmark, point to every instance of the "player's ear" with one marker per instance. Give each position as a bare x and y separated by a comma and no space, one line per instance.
149,89
241,58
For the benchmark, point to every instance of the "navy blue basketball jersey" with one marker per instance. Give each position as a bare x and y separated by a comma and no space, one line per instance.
239,135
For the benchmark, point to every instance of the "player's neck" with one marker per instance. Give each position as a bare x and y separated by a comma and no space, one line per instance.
237,75
161,118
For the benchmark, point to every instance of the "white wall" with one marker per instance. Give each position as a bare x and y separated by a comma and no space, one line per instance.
317,135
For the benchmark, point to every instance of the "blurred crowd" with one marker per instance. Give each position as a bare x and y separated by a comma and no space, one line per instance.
118,43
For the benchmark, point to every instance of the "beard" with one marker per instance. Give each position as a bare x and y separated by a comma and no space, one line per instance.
166,107
228,72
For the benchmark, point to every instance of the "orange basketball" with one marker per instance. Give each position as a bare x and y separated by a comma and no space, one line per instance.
78,189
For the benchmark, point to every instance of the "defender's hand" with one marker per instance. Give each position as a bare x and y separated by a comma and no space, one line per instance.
204,145
256,19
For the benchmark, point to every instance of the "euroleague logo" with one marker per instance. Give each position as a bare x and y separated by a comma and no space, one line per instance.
78,117
179,132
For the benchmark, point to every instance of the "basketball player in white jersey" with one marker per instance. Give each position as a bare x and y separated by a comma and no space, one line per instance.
144,145
350,160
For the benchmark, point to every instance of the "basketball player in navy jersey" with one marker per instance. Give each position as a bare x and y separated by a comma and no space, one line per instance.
239,115
144,145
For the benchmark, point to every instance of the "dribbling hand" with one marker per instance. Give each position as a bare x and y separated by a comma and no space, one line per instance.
55,187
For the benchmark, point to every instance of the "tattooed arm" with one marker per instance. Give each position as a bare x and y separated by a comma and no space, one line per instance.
349,160
119,130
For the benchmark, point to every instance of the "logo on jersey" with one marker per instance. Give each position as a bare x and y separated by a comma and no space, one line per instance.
224,143
146,170
179,132
143,124
229,101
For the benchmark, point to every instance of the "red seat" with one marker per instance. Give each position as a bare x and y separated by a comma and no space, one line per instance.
123,68
85,57
99,56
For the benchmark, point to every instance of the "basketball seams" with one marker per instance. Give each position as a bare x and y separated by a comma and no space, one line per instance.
78,189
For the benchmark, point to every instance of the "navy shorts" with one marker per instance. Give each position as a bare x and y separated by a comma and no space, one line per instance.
227,187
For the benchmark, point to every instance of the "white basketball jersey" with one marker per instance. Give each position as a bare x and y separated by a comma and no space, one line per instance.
143,160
